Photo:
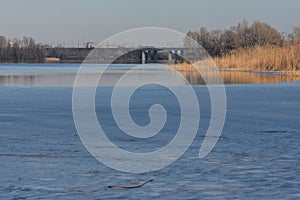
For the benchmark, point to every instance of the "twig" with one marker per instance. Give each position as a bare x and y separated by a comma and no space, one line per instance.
130,187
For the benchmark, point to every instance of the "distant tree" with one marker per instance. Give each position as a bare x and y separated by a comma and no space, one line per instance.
3,49
3,42
295,35
243,35
296,32
205,40
228,41
21,51
16,53
215,36
264,34
219,42
191,35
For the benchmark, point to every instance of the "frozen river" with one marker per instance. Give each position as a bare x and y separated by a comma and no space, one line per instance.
41,155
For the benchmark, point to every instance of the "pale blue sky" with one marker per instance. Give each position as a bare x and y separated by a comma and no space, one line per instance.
73,21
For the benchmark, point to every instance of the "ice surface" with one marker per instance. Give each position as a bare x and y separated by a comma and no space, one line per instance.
257,156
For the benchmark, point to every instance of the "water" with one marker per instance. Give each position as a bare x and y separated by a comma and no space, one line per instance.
58,75
257,156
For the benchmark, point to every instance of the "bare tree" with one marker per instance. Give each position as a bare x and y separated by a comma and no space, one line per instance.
219,42
295,35
264,34
21,51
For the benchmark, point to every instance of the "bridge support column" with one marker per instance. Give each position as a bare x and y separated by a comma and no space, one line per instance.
143,57
170,60
149,55
177,56
155,56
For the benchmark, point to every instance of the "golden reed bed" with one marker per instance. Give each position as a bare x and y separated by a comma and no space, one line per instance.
260,58
263,58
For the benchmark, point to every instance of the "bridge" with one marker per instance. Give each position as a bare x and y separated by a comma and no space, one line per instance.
124,55
151,55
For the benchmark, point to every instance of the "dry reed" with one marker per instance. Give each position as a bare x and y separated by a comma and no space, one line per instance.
263,58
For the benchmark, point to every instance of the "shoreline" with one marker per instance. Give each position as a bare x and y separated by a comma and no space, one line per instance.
288,72
185,66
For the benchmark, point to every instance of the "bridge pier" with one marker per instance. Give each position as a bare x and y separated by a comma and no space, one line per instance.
170,58
149,53
149,56
174,56
143,57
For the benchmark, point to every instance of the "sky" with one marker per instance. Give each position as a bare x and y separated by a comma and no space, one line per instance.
73,22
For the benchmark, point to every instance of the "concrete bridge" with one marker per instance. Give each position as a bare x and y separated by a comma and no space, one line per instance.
139,55
151,55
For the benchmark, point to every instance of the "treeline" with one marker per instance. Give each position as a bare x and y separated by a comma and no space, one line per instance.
244,35
24,50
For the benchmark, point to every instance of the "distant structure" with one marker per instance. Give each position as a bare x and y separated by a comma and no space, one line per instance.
124,54
285,36
48,46
160,55
90,45
13,43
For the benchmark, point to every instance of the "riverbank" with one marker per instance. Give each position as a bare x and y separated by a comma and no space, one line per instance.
208,64
232,75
